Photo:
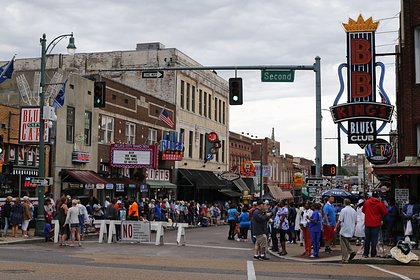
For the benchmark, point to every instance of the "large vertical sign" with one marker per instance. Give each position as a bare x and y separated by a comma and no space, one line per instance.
361,110
29,126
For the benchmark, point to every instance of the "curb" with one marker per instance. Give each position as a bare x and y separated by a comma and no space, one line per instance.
22,240
382,261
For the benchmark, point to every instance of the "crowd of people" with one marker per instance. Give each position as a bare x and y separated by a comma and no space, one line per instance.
275,224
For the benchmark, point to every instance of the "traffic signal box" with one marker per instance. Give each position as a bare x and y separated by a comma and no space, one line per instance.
329,170
235,91
99,94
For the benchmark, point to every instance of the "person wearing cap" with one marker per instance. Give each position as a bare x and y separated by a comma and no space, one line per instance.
259,229
375,211
346,224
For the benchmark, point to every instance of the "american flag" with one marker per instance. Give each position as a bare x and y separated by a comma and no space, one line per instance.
164,116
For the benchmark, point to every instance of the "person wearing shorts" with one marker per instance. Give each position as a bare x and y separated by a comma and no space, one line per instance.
259,229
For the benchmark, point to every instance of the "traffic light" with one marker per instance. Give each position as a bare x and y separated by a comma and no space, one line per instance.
99,94
329,170
212,145
235,91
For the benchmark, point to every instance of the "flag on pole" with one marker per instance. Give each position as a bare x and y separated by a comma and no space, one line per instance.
6,70
164,116
58,102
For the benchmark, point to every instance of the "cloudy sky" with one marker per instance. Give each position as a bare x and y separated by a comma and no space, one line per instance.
225,32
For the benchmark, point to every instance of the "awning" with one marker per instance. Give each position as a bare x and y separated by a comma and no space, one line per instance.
201,179
240,184
411,165
82,176
157,184
278,194
230,193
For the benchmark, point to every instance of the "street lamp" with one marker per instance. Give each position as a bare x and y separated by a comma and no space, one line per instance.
71,48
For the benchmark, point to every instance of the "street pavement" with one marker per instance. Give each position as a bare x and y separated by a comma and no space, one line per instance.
208,254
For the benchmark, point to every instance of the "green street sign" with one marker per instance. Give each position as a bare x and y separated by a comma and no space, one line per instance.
278,76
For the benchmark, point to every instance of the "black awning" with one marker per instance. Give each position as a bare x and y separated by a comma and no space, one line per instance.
230,193
201,179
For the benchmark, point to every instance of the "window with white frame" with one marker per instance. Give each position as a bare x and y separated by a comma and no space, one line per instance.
106,131
152,136
130,133
417,53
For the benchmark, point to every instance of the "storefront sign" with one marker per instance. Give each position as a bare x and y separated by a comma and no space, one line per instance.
402,196
247,168
80,157
133,156
298,179
361,111
100,186
380,152
143,188
158,174
119,187
29,126
171,147
109,186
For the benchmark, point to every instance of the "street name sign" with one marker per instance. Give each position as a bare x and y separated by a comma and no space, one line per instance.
314,182
278,76
43,182
152,74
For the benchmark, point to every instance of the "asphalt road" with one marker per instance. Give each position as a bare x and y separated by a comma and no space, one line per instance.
208,255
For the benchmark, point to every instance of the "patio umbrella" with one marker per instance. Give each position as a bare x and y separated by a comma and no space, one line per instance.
338,193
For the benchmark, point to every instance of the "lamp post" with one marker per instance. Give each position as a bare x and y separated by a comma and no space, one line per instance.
71,48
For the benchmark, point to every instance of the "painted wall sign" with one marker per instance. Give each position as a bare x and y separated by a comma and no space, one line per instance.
29,126
361,111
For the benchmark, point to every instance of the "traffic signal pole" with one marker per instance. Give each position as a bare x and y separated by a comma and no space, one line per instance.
316,67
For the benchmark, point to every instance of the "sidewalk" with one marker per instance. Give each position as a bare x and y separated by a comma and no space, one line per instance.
295,252
19,239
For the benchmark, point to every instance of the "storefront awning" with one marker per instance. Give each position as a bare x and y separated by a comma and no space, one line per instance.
230,193
201,179
240,184
411,165
156,184
82,176
278,194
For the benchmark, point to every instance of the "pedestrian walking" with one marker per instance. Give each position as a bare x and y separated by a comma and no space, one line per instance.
328,223
259,229
346,224
16,216
5,213
375,211
304,226
232,218
315,229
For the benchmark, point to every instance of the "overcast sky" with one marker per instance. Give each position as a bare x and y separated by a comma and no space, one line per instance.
230,32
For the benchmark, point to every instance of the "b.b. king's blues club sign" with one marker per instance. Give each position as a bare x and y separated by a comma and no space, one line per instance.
362,111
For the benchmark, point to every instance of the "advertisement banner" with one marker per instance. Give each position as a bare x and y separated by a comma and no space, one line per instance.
29,126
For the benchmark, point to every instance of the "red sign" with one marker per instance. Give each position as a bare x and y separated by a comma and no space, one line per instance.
29,126
247,168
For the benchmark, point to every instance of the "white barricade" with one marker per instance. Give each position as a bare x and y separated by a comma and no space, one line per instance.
56,229
160,231
102,229
112,230
180,237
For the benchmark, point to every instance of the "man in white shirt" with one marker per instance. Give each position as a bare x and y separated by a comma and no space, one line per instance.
347,224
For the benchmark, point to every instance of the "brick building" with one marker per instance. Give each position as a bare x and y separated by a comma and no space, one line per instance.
405,173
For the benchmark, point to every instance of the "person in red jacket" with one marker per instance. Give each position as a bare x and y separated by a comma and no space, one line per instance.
375,211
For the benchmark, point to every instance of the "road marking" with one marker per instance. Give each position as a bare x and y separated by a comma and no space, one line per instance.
250,270
390,272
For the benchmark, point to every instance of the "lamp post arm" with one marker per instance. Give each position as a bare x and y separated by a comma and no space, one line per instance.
56,40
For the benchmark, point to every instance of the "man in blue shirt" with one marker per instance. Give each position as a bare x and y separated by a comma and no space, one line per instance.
328,223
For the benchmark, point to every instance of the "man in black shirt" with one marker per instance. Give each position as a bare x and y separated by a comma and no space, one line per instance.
259,229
